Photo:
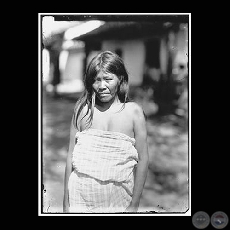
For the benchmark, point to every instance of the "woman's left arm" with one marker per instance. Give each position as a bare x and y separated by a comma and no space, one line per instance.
141,145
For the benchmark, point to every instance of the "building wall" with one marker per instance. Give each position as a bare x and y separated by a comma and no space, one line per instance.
73,69
133,54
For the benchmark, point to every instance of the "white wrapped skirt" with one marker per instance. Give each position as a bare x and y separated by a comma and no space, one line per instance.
103,177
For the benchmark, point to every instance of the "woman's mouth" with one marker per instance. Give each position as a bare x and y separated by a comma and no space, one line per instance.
103,94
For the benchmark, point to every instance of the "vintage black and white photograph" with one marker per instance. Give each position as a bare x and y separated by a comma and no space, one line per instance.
114,114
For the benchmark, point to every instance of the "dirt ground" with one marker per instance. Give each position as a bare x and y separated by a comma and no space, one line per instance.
166,189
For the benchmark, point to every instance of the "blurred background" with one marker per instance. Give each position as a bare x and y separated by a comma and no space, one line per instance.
155,51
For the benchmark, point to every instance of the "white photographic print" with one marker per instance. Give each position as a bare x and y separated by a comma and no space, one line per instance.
114,100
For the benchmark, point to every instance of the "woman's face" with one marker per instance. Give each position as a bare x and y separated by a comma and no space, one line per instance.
105,86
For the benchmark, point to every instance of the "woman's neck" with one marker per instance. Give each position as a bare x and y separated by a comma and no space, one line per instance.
104,106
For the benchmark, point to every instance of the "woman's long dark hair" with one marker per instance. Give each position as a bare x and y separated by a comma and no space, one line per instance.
105,62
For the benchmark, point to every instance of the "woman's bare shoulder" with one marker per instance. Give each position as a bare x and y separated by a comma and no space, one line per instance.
134,107
139,120
81,114
83,109
136,112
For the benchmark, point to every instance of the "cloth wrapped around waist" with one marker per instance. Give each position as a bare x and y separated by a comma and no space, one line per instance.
105,155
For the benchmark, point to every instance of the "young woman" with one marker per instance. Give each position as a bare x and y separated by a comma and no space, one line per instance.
107,159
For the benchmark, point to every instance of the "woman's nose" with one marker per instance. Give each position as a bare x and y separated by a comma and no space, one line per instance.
102,85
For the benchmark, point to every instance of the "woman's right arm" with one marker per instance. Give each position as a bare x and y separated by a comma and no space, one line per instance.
68,168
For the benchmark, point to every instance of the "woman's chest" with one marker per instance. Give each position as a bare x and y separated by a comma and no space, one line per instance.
118,122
